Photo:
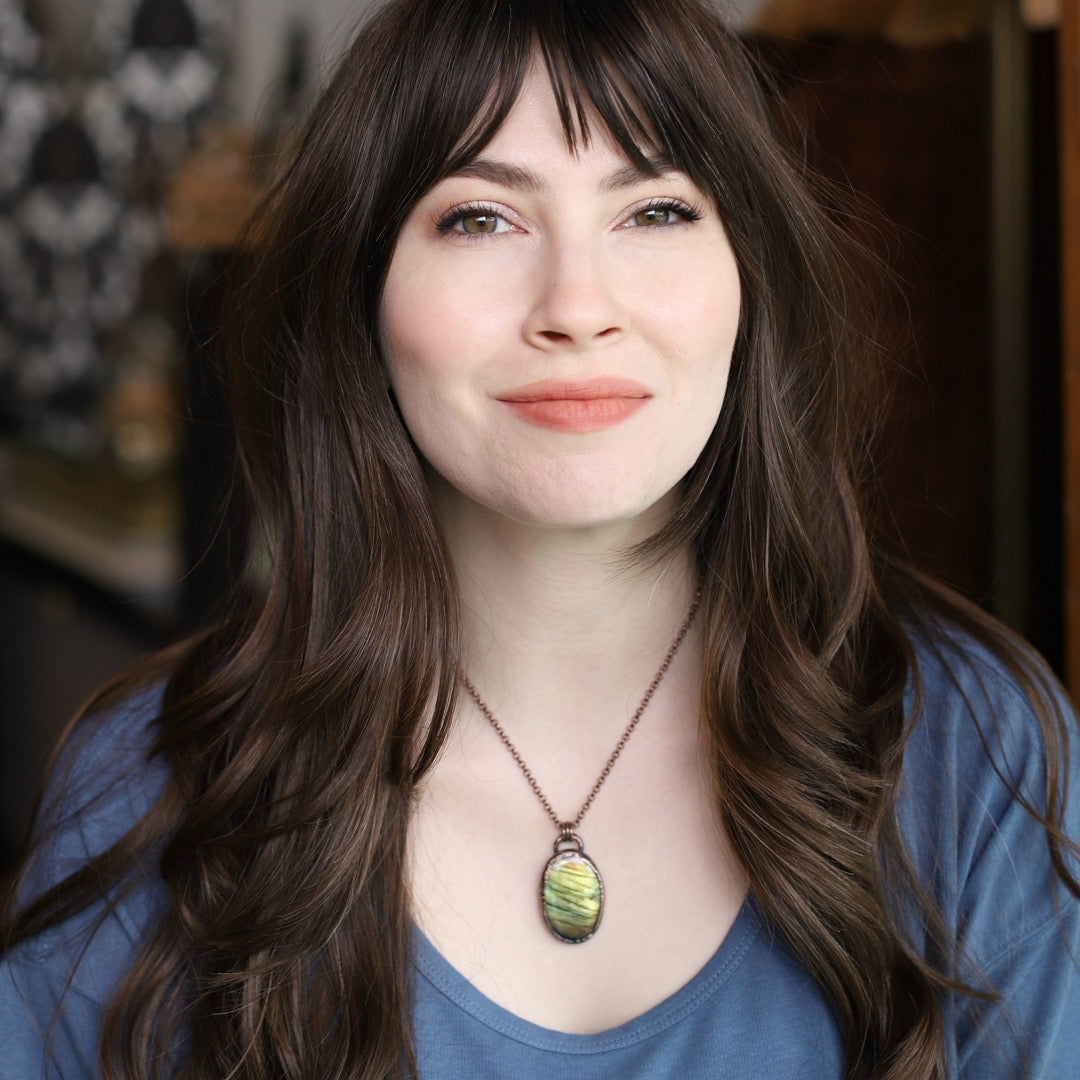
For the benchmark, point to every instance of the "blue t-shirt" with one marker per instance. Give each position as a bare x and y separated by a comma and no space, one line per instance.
751,1012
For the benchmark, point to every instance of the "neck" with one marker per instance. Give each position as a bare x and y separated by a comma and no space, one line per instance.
559,626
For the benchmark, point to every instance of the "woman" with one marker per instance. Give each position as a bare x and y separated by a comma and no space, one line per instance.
546,387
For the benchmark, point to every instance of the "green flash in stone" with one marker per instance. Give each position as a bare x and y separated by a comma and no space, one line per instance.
572,896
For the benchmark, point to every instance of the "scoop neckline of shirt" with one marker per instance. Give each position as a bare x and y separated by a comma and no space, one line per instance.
452,984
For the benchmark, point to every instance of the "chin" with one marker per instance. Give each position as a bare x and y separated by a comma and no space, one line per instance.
570,503
640,516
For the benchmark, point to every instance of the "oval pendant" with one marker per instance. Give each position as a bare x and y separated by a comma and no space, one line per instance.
571,892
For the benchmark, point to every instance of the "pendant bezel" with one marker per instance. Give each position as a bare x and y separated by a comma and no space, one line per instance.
569,848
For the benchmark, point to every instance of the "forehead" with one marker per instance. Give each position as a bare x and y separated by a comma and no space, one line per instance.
534,127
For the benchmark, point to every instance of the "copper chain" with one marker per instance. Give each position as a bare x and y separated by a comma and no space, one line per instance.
623,739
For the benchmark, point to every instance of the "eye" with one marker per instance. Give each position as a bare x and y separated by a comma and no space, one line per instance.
473,221
663,212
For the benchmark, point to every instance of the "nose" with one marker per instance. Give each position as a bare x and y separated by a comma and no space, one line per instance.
577,303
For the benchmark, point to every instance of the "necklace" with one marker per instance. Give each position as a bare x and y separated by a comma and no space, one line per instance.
571,889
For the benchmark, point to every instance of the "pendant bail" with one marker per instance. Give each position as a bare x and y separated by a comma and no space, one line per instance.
568,840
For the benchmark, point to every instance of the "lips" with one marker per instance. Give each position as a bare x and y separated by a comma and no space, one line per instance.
578,405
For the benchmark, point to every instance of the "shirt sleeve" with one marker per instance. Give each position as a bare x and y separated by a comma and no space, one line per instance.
985,858
54,988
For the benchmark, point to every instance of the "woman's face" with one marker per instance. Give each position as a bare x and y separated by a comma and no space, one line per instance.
558,327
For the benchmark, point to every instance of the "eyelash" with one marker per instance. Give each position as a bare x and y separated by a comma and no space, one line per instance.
452,218
685,211
448,222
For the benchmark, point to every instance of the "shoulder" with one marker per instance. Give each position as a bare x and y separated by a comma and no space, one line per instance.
992,745
104,780
991,740
54,986
972,709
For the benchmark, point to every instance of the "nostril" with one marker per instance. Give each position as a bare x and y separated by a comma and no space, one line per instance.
557,337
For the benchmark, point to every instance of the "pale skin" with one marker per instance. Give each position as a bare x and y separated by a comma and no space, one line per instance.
542,264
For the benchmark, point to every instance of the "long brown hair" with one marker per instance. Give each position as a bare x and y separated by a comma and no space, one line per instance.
295,730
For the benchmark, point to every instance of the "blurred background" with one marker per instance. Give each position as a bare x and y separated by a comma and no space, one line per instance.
136,134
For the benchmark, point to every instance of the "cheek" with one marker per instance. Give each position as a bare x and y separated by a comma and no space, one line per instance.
423,398
435,328
692,300
412,340
719,315
710,320
405,352
707,314
403,332
421,350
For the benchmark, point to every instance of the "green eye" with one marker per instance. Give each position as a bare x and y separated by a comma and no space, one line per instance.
480,224
655,215
473,220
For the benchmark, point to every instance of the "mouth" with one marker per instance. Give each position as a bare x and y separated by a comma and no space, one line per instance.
577,405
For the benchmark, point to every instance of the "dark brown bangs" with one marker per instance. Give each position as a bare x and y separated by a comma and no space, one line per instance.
647,73
593,60
654,75
480,65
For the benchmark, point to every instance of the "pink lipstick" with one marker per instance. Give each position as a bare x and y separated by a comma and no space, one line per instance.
577,405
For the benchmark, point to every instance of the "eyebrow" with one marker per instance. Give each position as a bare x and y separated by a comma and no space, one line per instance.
522,179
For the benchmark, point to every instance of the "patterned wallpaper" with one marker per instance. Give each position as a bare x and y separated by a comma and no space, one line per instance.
87,137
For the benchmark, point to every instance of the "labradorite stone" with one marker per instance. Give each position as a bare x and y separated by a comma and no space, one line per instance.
572,896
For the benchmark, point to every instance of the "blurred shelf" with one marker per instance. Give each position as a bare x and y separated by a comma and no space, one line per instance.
135,553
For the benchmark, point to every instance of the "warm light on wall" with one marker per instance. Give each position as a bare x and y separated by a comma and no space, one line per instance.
1041,14
915,22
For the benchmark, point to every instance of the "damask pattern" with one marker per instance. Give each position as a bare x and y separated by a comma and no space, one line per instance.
80,170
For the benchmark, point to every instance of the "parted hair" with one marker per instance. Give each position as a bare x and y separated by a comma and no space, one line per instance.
295,730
